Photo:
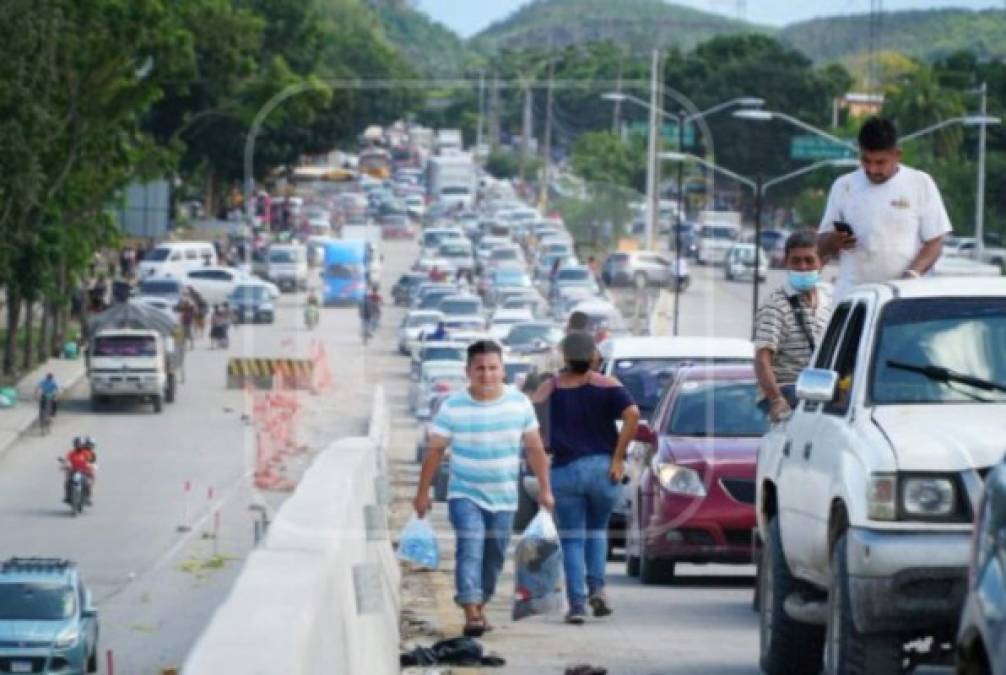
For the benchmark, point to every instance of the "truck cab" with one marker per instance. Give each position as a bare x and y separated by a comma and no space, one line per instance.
129,363
866,495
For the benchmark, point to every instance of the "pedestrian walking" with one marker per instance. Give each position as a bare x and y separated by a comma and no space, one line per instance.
789,325
885,220
579,409
486,426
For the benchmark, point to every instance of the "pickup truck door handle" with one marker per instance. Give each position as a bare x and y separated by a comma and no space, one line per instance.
806,450
786,447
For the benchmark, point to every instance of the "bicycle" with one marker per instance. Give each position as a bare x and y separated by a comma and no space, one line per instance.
45,406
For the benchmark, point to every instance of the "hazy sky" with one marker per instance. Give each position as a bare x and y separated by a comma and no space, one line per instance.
470,16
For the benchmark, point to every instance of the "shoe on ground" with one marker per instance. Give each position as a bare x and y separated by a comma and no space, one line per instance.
576,616
600,605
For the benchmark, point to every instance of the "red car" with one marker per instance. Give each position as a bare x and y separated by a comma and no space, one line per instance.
695,494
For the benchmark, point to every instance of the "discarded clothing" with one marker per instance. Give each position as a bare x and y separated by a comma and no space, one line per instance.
459,651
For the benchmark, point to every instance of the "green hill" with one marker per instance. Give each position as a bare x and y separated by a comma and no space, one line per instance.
925,35
641,25
430,47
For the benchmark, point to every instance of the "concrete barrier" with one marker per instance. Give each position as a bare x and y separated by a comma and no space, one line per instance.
322,593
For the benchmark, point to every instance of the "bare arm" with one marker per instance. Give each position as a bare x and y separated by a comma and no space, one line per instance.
765,374
630,422
434,455
830,244
928,256
534,450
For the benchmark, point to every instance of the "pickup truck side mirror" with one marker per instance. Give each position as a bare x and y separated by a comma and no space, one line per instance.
817,385
645,434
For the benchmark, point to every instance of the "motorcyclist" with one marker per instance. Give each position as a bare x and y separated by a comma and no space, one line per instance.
81,458
47,390
311,310
370,309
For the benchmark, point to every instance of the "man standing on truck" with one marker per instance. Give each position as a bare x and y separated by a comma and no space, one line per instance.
885,220
789,325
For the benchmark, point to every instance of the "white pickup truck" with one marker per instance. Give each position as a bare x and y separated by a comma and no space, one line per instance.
129,363
867,494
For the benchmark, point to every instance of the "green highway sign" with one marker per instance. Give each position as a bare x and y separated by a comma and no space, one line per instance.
818,147
670,132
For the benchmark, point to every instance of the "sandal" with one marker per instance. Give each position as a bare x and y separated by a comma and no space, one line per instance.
474,627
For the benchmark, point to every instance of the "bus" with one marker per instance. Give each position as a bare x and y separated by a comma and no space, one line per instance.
345,274
375,162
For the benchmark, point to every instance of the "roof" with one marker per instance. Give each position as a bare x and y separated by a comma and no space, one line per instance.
35,569
725,372
666,347
938,287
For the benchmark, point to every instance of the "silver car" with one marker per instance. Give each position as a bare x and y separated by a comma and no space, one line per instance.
643,268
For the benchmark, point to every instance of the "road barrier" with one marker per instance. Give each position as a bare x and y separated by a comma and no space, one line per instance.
320,595
323,380
261,373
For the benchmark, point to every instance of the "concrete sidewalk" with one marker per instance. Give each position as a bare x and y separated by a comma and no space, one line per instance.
18,419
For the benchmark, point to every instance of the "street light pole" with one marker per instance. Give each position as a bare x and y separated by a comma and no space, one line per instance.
651,157
980,197
759,190
680,225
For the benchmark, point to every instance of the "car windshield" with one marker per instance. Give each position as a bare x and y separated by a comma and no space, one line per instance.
160,288
745,254
504,254
125,345
432,300
431,239
713,232
283,255
416,321
460,307
454,251
573,274
35,601
158,255
723,408
526,333
648,379
940,351
249,292
454,190
344,271
443,354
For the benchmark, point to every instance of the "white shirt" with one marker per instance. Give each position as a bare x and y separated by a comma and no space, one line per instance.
891,222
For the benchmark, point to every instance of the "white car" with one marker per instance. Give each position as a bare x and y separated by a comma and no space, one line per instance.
414,324
866,496
459,253
504,319
740,263
215,284
435,377
463,309
714,241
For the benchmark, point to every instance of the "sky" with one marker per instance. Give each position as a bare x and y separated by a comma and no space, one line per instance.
468,17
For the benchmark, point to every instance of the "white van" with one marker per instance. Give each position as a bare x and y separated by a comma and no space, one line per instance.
176,258
714,241
286,266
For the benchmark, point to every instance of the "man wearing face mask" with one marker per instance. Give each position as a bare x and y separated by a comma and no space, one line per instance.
885,220
789,325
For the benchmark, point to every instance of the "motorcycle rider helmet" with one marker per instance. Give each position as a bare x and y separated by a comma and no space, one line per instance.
88,442
77,442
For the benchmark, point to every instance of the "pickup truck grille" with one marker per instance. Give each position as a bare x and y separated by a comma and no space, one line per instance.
741,489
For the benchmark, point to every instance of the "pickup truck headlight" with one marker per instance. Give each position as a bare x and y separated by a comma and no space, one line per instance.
680,480
880,497
929,497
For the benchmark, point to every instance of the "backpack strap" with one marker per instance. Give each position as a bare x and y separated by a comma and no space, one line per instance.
801,319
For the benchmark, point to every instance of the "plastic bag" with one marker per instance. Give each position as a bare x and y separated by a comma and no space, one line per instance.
538,559
418,543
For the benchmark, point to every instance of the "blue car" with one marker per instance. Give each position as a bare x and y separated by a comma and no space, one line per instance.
981,641
47,622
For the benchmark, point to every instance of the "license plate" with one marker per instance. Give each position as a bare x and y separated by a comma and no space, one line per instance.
20,666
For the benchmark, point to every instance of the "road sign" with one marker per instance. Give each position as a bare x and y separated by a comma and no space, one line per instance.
670,132
818,147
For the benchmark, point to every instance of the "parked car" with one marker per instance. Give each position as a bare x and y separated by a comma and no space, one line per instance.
441,350
215,284
981,640
740,263
414,324
694,499
866,495
643,268
48,622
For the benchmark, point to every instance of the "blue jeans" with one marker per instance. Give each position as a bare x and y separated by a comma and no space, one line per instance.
584,499
482,538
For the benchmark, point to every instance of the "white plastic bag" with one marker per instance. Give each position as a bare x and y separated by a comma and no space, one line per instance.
538,562
418,543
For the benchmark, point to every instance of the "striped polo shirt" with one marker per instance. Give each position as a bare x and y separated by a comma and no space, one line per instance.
485,438
777,328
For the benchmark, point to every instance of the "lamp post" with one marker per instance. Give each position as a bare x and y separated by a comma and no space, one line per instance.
769,115
759,186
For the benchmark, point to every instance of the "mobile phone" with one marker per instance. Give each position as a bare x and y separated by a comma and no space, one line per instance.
843,227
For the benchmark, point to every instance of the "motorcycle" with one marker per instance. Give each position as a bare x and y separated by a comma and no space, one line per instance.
311,316
78,488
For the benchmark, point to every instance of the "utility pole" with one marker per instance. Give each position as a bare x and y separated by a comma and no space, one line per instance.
682,117
494,114
547,154
616,118
652,181
479,137
527,127
980,197
759,189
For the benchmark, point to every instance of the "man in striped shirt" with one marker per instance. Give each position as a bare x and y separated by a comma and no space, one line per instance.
789,325
486,426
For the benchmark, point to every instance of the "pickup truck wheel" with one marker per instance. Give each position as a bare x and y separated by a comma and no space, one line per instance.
849,652
786,646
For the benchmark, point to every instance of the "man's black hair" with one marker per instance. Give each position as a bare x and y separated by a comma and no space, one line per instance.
577,321
483,347
578,350
800,239
878,134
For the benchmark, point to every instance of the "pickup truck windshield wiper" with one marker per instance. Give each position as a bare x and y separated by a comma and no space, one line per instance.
945,375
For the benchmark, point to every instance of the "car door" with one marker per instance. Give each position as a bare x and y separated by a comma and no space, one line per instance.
795,513
832,435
